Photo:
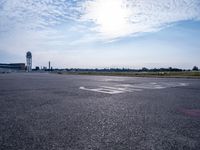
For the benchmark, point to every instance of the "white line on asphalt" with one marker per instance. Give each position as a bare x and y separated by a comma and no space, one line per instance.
123,88
103,90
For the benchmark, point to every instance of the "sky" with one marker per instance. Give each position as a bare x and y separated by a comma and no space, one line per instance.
101,33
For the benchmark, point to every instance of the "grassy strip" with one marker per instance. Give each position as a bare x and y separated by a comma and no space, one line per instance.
186,74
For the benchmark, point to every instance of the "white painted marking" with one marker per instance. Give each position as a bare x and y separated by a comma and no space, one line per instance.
143,86
103,90
183,84
123,88
153,83
117,79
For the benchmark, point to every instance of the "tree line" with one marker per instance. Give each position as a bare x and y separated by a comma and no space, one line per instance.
144,69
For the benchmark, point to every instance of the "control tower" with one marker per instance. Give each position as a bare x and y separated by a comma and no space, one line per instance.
29,61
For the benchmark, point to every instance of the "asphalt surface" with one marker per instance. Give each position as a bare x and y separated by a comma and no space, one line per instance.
67,112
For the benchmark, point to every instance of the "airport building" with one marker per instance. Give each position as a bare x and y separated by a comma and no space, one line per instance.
28,61
16,67
12,67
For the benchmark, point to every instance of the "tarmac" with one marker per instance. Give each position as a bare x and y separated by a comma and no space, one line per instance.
43,111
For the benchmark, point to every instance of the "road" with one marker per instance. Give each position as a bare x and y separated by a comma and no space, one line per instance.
41,111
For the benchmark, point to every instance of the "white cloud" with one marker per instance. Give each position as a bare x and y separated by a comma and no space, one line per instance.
106,19
118,18
34,14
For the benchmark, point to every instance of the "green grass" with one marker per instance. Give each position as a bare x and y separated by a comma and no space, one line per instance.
183,74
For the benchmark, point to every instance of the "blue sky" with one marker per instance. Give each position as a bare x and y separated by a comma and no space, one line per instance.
101,33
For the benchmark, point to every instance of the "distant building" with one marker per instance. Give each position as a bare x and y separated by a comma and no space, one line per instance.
29,61
44,68
37,68
49,65
12,67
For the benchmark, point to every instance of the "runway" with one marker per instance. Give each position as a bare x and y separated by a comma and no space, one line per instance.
41,111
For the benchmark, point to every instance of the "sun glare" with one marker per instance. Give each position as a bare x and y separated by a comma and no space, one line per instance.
110,16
